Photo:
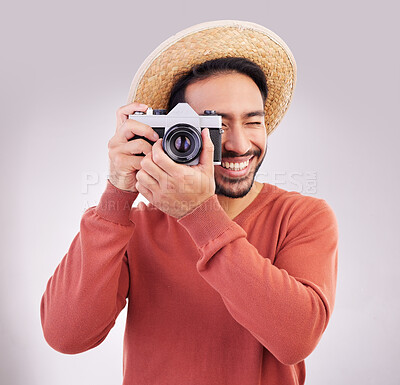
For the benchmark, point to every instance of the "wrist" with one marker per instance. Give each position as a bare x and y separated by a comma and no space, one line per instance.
115,204
123,184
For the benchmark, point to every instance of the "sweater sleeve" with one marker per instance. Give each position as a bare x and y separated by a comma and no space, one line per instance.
286,305
89,287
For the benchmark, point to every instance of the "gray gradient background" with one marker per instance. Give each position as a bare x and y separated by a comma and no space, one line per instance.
67,67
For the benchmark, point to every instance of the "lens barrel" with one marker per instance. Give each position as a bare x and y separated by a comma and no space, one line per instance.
182,143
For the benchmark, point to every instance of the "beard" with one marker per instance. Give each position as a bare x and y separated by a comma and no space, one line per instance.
238,187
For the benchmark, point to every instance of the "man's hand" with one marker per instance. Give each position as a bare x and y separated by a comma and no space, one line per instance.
123,154
177,189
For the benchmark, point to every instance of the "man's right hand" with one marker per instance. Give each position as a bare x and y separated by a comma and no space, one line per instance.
123,153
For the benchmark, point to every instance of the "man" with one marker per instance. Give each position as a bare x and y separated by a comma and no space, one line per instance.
229,281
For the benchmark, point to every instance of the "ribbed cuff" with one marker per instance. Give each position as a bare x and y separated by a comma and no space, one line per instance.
115,205
206,222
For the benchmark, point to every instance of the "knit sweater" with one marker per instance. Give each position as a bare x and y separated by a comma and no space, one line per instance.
211,300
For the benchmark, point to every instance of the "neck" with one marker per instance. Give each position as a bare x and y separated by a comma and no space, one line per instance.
234,206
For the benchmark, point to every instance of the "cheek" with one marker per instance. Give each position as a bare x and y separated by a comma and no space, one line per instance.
259,139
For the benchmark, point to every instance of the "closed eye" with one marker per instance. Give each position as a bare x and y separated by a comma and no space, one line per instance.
247,124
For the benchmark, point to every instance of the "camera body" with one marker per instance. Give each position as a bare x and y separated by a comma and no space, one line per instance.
181,131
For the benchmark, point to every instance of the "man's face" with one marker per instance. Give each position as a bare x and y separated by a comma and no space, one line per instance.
237,98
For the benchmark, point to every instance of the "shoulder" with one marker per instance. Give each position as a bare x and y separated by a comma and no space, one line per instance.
292,199
305,222
297,209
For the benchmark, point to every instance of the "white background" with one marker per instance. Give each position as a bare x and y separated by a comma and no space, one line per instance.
65,69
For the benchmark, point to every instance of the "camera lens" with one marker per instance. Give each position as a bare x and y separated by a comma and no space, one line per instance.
182,143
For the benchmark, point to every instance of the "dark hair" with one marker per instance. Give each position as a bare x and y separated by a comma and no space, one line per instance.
215,67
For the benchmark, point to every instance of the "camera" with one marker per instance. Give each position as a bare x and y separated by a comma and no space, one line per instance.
181,131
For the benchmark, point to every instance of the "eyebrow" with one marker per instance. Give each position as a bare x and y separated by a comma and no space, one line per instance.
244,115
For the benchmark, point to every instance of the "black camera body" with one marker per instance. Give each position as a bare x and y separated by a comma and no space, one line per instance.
181,131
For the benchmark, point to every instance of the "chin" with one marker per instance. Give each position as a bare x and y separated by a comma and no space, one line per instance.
234,188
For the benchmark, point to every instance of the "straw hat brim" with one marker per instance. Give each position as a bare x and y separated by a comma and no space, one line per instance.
153,81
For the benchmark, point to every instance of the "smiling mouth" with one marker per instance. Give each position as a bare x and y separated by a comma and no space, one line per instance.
237,166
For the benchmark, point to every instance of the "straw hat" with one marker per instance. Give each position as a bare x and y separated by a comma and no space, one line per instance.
153,81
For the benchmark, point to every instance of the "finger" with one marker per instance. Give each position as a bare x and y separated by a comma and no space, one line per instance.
126,162
135,147
124,111
144,191
162,160
207,153
147,180
152,169
132,127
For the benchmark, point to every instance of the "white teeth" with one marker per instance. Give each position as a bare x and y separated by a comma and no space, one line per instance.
235,166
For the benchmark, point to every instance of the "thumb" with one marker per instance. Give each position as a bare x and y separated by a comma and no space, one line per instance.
207,154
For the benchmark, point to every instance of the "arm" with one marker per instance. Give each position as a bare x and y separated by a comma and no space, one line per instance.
89,287
285,306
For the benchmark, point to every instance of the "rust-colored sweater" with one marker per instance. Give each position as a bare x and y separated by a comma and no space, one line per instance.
212,301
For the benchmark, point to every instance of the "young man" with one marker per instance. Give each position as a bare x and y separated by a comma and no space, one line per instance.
229,281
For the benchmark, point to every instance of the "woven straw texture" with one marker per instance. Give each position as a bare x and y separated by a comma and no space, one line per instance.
153,82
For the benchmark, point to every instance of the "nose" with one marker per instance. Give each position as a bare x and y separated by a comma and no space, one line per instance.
234,139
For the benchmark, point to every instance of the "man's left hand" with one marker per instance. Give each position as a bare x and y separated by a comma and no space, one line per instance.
174,188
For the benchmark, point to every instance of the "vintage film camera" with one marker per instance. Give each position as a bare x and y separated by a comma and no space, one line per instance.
181,131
